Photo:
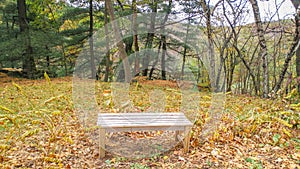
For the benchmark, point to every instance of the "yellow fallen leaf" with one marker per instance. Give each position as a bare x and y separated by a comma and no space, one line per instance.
286,112
230,92
286,132
6,109
283,122
47,77
295,106
17,86
258,109
206,97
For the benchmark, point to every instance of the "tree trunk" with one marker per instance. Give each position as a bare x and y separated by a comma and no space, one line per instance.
107,61
119,42
135,38
230,70
150,37
163,58
199,69
128,45
29,68
263,47
298,68
248,68
290,54
185,49
91,41
47,57
211,53
164,43
296,5
65,59
156,60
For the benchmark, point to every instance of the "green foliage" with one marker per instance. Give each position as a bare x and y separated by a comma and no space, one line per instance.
138,166
276,138
57,32
255,164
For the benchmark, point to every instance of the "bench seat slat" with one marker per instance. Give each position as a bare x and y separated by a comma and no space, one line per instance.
140,114
142,117
145,128
143,122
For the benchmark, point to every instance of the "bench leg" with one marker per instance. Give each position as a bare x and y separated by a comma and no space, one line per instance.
101,143
186,141
177,135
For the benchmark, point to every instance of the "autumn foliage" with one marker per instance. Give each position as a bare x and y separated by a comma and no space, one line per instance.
39,129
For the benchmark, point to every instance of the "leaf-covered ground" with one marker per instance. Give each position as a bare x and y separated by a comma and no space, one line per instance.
39,129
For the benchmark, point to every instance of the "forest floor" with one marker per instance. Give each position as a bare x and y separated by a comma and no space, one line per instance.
40,129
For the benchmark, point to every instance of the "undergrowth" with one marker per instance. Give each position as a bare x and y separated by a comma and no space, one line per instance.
39,117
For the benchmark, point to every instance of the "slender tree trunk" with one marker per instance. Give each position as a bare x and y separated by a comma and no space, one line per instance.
119,42
163,58
65,59
258,77
128,45
296,4
263,47
91,41
135,38
164,43
185,49
156,60
47,57
107,61
150,37
248,68
277,47
230,70
211,53
298,68
290,54
22,16
29,67
7,24
199,69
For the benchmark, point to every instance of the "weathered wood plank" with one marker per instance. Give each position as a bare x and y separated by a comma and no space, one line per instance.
102,142
130,125
142,114
186,139
144,121
141,118
145,128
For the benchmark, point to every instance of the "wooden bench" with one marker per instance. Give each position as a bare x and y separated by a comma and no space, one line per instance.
129,122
